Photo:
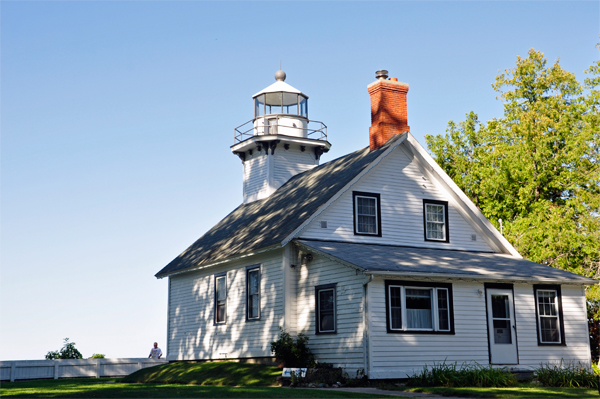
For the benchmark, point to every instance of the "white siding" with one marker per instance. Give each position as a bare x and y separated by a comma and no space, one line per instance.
577,348
400,355
401,184
263,174
192,333
344,348
255,175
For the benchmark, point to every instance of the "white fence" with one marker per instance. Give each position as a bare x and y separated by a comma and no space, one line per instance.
37,369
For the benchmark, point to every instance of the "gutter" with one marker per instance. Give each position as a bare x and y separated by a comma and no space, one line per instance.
463,277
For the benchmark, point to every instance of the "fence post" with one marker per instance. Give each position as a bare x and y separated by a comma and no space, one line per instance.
13,371
56,370
98,368
140,366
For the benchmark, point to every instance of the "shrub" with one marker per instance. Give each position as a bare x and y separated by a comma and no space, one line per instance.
449,375
292,353
68,351
324,373
569,375
98,356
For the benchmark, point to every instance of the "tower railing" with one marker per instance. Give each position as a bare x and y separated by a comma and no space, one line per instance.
316,129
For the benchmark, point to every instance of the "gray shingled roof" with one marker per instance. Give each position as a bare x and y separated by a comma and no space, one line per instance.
477,265
267,222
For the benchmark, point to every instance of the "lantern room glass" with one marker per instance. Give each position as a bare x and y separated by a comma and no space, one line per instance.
281,103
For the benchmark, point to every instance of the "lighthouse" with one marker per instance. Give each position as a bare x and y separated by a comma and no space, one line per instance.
280,141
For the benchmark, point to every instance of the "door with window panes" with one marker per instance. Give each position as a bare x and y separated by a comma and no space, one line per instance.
501,326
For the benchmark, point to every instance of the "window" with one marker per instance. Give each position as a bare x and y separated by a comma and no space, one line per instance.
220,298
435,220
417,307
549,314
367,214
253,293
325,309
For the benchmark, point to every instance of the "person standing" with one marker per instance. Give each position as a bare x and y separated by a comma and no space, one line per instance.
155,353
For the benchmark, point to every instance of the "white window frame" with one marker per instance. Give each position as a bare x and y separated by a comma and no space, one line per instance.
403,313
318,290
557,316
248,271
217,321
444,206
377,199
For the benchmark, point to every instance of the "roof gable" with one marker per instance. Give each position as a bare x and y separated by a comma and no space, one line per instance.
270,221
401,186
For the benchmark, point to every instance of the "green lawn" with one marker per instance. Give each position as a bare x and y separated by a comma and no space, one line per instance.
107,388
523,391
208,373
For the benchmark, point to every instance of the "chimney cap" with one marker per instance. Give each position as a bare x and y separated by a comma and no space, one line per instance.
382,74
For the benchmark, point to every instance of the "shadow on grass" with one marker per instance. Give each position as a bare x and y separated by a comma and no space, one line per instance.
208,373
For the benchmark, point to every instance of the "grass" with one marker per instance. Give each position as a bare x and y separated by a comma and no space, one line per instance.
566,374
467,375
208,373
106,388
522,391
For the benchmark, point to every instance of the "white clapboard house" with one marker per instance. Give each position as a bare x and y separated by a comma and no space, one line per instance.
377,256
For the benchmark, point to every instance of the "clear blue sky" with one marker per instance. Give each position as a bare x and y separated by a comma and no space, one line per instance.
117,119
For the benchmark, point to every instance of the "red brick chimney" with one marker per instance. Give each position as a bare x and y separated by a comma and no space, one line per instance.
388,109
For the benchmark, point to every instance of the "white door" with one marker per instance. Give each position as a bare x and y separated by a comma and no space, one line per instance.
501,326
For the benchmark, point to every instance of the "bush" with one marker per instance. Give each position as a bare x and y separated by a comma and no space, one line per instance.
98,356
568,375
449,375
290,353
68,351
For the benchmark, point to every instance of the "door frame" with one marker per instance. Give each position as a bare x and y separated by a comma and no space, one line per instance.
504,286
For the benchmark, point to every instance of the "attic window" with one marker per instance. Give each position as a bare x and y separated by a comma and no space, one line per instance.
367,214
435,220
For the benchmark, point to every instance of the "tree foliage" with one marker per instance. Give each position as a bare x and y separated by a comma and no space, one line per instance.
538,167
68,351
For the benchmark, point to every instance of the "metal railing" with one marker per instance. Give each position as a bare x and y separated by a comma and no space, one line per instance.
318,129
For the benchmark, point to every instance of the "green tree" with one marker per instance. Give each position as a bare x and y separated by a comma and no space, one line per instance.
68,351
537,167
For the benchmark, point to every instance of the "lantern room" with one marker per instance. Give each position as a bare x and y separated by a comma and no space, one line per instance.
281,109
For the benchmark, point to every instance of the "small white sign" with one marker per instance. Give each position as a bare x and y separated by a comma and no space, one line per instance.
287,372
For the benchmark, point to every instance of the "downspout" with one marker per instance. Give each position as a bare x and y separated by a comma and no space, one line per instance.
366,325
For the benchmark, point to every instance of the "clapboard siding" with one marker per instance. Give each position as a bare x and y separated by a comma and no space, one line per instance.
401,184
192,333
288,163
400,355
345,348
255,174
577,347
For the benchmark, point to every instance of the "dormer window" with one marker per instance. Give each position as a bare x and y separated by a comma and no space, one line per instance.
367,214
435,220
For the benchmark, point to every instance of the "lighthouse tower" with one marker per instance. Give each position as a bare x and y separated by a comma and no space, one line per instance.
280,141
